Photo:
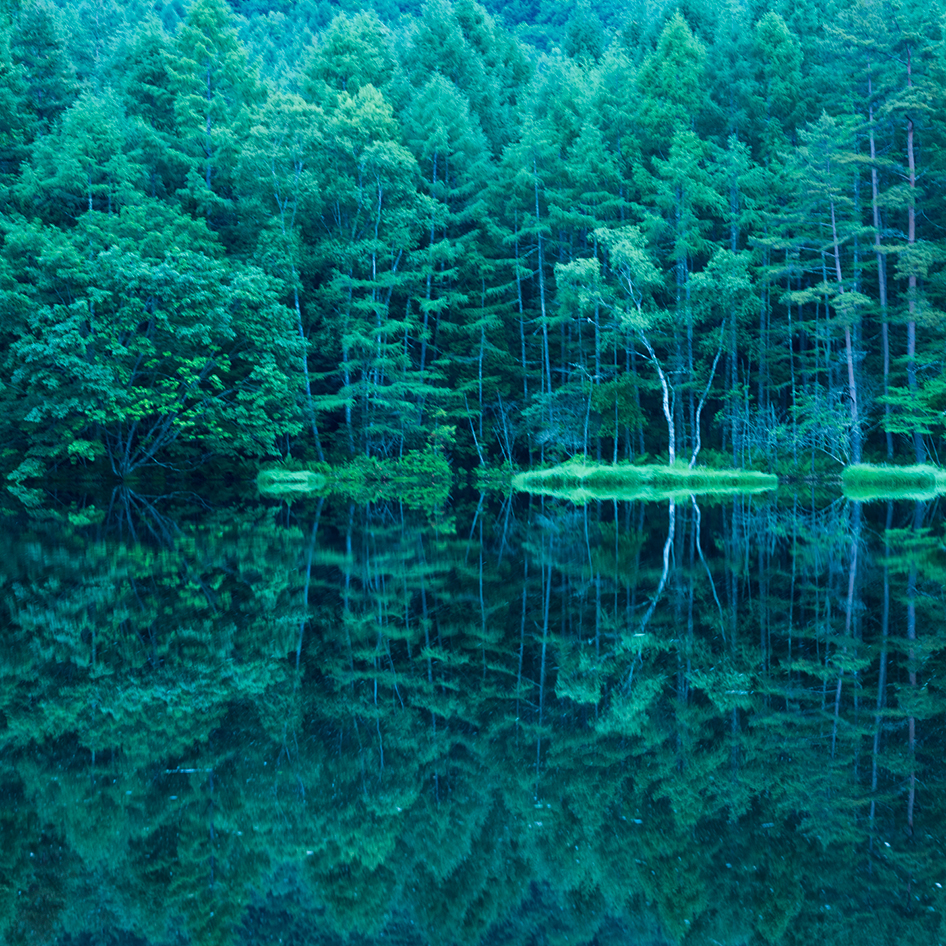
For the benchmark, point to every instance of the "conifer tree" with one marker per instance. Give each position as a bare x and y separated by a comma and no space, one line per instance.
214,88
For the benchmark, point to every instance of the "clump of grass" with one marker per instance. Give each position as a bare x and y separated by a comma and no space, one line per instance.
279,483
581,496
581,481
866,482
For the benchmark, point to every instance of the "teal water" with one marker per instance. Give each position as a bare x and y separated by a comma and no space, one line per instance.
504,722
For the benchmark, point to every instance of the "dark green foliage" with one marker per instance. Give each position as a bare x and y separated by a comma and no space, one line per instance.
38,47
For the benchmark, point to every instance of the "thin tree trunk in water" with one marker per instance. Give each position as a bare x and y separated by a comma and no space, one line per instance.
308,580
709,574
483,631
522,630
848,617
911,668
668,546
346,367
911,722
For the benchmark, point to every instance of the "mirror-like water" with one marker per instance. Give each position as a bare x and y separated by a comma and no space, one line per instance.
513,724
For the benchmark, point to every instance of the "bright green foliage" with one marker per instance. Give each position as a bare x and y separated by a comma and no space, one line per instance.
82,166
141,70
779,85
671,82
353,52
154,345
373,212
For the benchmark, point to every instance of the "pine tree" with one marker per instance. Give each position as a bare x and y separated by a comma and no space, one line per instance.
214,88
39,49
373,213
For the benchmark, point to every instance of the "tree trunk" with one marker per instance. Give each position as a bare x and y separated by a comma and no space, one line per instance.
881,265
542,307
666,400
918,447
848,349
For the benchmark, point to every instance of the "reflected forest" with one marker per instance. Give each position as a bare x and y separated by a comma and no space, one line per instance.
695,722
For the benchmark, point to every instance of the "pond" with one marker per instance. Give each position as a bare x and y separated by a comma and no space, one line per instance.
510,721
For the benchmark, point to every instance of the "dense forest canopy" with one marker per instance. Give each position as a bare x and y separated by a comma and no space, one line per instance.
513,232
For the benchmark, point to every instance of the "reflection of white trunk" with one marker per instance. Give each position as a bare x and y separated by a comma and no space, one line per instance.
308,581
668,547
848,619
667,406
709,574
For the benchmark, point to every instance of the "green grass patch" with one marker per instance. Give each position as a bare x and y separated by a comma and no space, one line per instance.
866,482
581,482
286,484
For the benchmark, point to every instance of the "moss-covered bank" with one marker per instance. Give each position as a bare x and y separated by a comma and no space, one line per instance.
581,481
866,482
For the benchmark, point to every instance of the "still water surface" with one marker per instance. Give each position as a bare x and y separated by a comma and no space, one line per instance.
505,723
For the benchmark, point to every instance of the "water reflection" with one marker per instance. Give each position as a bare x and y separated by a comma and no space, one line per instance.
681,722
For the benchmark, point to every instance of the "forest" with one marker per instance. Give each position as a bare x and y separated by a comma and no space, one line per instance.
508,234
460,244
